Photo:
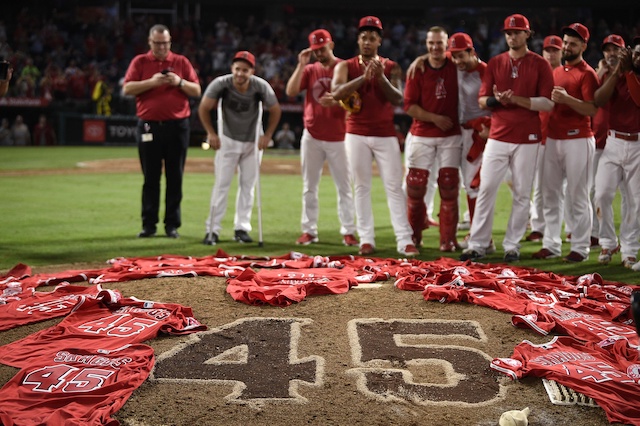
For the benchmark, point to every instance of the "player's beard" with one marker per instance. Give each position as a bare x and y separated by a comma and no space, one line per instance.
570,57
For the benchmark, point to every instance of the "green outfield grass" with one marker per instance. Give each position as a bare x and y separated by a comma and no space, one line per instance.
54,213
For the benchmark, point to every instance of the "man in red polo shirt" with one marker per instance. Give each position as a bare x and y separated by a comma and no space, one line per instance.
162,82
569,150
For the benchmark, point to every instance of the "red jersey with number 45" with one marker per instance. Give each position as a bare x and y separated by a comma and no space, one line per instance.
75,386
103,323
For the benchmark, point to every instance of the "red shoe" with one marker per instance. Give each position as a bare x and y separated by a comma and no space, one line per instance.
306,239
574,257
409,250
534,236
544,254
366,249
449,247
349,240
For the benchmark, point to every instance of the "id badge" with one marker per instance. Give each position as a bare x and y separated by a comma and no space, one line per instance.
147,137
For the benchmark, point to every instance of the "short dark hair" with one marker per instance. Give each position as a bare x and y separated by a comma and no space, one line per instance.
158,28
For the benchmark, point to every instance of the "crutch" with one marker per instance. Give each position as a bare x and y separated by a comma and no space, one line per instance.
258,161
214,195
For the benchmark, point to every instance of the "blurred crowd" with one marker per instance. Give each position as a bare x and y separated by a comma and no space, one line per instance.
81,55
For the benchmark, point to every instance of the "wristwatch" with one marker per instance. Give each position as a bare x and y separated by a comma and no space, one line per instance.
181,82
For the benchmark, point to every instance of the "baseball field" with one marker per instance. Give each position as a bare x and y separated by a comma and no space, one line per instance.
74,208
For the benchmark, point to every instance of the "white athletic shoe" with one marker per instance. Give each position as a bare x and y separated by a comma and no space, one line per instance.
636,267
629,262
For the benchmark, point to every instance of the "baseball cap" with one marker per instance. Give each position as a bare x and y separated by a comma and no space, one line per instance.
245,55
516,22
577,29
459,42
319,38
614,39
370,22
552,41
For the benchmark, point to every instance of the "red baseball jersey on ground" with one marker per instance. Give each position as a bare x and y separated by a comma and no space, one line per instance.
323,123
105,323
375,118
581,82
39,305
608,373
74,386
435,91
281,287
529,76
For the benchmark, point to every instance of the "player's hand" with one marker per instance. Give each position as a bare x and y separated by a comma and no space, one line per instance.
443,122
417,64
263,142
625,60
213,140
304,57
327,100
484,132
559,95
503,97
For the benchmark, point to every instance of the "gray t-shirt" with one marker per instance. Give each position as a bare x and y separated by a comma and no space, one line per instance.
240,110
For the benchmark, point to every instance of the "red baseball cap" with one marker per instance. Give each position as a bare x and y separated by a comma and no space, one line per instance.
459,42
614,39
370,22
552,41
577,29
516,22
245,55
318,39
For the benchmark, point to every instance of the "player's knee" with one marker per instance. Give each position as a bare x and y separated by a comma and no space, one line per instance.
448,183
417,183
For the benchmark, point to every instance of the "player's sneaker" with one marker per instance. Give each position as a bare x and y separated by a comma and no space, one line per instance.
629,262
409,250
242,237
605,255
544,253
449,247
535,236
511,256
210,240
366,249
306,239
574,257
470,254
147,233
349,240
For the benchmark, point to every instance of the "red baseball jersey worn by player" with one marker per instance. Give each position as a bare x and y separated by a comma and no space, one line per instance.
75,386
375,118
529,76
105,323
435,91
323,123
173,104
608,373
581,82
40,305
624,113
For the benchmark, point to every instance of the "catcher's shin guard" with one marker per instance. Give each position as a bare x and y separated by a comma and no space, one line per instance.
448,184
416,208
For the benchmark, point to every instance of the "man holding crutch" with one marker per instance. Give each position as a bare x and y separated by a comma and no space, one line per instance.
241,94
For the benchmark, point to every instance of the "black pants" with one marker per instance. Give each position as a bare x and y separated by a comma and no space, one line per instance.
170,140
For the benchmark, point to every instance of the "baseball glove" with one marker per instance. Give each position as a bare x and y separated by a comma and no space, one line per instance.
353,103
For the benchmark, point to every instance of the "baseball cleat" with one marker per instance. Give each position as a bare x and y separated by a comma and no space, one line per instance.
544,253
366,249
409,250
629,262
349,240
306,239
242,236
574,257
605,255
